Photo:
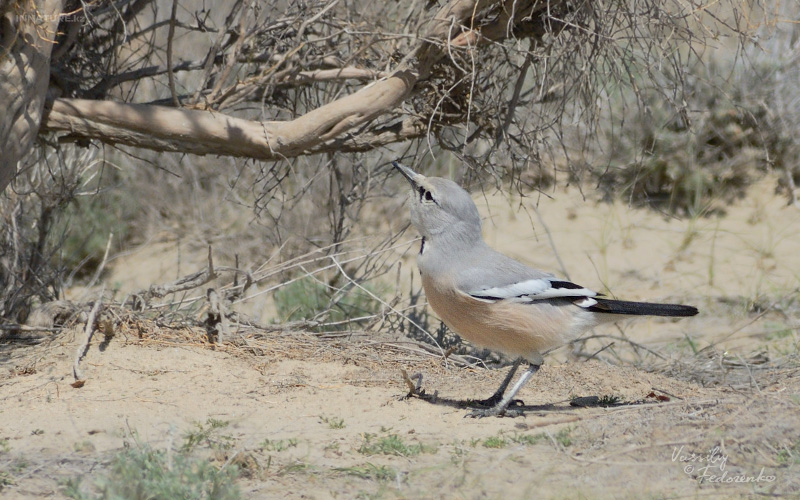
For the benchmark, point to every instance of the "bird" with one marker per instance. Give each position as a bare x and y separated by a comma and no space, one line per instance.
495,301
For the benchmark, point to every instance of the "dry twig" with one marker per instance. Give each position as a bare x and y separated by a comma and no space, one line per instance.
87,339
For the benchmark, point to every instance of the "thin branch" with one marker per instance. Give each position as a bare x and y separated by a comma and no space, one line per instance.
791,187
87,339
189,282
386,304
170,36
102,265
552,242
512,105
211,55
103,86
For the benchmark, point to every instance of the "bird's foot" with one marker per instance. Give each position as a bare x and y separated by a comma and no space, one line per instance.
413,389
512,409
491,402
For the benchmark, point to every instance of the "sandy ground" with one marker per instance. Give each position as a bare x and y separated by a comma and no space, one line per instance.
717,406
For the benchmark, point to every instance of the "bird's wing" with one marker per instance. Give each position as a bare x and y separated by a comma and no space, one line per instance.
531,290
493,277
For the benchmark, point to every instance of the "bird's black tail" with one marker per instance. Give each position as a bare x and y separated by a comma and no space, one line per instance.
610,306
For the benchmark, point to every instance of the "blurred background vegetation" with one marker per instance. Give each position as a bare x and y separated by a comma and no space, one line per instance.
682,126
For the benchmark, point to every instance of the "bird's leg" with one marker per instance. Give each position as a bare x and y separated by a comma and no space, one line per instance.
502,407
498,394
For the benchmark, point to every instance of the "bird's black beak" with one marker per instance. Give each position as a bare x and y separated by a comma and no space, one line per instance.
412,177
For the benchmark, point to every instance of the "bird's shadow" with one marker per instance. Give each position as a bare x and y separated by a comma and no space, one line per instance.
519,408
474,404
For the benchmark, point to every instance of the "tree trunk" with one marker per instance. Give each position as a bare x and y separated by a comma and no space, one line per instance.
27,36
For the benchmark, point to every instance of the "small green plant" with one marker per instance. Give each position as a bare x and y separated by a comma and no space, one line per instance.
392,445
691,343
296,467
10,471
308,298
143,473
789,454
207,434
279,444
563,437
370,471
777,330
4,446
6,479
333,422
37,432
495,442
609,400
689,236
19,465
526,439
502,440
458,453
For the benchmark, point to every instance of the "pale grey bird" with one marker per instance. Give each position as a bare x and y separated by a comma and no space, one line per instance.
491,299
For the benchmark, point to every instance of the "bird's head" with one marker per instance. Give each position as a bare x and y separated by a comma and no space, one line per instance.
440,207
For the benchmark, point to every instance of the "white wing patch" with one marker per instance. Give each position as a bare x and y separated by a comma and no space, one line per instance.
537,289
529,287
585,302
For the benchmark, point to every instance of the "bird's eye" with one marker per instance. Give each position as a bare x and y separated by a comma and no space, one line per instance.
425,195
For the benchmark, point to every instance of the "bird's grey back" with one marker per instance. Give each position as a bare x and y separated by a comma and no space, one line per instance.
480,267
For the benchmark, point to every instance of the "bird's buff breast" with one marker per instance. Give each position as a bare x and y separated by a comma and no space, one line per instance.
512,328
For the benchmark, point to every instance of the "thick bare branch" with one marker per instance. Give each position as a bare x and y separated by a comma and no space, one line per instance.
205,132
410,128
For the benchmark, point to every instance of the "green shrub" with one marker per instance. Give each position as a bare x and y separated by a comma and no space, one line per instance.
84,225
688,167
144,473
702,136
308,299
